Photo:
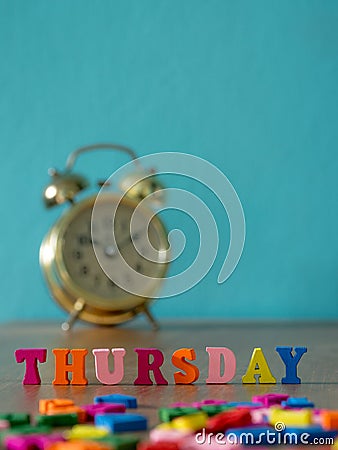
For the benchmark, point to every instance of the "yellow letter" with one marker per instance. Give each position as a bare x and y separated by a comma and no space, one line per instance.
258,366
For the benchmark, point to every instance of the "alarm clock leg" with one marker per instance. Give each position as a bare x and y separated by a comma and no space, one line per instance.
153,322
78,307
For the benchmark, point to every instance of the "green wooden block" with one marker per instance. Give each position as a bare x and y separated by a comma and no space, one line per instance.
25,429
168,414
16,419
212,410
119,442
57,420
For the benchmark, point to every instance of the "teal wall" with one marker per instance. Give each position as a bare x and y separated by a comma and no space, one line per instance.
252,86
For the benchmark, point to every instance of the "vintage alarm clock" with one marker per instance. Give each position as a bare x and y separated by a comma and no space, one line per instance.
73,273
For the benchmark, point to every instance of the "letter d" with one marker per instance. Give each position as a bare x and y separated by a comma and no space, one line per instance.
202,435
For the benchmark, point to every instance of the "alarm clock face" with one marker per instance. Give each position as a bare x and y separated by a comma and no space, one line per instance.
77,262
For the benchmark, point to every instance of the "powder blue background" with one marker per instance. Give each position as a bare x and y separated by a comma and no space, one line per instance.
249,85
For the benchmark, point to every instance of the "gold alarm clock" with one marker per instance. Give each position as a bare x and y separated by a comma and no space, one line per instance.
76,252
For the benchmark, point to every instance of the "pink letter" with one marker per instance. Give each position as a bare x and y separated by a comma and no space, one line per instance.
31,356
144,366
215,354
103,374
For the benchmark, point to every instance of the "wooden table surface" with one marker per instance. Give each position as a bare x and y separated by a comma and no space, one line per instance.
318,368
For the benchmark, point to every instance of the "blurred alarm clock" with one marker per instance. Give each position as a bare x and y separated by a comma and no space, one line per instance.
68,253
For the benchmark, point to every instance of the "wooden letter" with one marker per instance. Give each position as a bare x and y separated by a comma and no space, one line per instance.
258,366
179,360
291,363
103,374
144,366
215,355
62,368
31,356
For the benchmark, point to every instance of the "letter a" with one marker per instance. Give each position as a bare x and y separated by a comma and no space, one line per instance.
258,366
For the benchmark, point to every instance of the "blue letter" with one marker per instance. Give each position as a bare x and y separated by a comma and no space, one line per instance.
291,363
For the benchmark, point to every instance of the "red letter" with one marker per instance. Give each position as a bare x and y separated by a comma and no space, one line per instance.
31,356
179,360
144,366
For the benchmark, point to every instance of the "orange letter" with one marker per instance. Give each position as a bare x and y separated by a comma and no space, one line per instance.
77,367
179,360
